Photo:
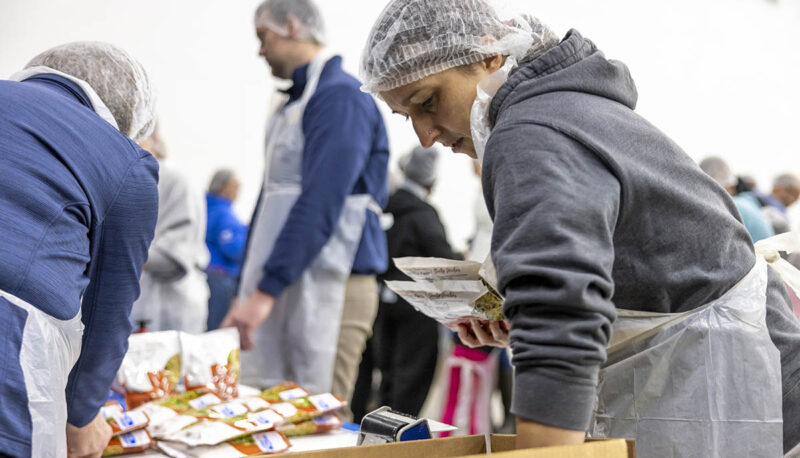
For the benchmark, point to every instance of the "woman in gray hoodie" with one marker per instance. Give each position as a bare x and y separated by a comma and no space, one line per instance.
601,222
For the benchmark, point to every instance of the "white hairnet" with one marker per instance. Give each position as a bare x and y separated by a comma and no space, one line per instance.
718,169
413,39
277,18
419,165
117,78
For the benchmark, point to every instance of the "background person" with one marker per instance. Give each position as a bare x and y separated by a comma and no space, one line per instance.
308,294
225,238
174,286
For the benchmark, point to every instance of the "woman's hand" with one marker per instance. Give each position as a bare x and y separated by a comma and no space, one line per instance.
478,333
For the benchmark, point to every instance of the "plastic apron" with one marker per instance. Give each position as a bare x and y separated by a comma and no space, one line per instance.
298,341
50,347
704,383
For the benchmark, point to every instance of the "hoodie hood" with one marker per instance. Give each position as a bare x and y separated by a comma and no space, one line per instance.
574,65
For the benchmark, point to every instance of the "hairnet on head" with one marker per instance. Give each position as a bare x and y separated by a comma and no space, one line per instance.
719,170
117,78
419,165
220,180
412,39
277,18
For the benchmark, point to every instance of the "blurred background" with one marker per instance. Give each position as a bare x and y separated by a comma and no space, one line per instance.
720,77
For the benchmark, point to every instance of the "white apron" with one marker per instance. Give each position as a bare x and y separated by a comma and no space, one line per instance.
50,347
704,383
298,341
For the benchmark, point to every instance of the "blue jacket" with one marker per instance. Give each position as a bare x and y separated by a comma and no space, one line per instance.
78,206
225,235
346,152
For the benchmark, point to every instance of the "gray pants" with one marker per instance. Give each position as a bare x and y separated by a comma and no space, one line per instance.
358,315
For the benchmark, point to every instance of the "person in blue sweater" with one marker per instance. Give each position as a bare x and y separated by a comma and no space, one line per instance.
308,293
78,206
225,238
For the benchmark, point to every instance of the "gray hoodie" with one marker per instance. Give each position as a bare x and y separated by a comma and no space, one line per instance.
595,209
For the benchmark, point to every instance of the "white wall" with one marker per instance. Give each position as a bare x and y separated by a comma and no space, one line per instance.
719,76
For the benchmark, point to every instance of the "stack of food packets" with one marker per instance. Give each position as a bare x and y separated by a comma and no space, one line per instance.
128,430
248,425
449,291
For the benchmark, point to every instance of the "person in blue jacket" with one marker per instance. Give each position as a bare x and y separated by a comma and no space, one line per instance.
308,284
78,205
225,237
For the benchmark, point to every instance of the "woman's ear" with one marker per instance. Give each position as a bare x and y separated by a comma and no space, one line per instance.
494,63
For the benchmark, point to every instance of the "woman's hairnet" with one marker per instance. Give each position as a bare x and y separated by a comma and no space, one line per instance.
306,12
419,165
117,78
413,39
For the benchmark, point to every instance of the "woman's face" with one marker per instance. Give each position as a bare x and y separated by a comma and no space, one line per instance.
439,105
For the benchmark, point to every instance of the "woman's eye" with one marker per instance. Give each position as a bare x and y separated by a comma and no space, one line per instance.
428,103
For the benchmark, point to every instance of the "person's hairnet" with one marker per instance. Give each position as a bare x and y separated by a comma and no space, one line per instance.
419,166
718,169
786,180
220,180
277,18
412,39
117,78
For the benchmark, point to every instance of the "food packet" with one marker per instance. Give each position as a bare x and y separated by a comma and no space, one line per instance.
322,424
124,444
169,415
437,269
443,301
286,391
125,422
212,432
264,443
211,362
151,367
304,409
110,409
450,291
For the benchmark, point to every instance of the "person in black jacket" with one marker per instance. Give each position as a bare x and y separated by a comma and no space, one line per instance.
405,342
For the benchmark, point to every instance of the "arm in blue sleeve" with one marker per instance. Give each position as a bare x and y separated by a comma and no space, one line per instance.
338,136
232,238
116,266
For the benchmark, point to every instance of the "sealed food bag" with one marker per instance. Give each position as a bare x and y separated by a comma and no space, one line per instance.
125,422
304,409
286,391
212,432
264,443
443,301
322,424
438,269
211,362
124,444
169,415
151,367
110,409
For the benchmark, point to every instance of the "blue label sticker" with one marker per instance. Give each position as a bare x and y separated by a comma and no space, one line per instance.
263,442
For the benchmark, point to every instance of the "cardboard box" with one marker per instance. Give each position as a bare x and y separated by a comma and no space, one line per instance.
463,446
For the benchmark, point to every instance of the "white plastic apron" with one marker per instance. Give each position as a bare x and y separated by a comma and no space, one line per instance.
298,341
50,347
704,383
